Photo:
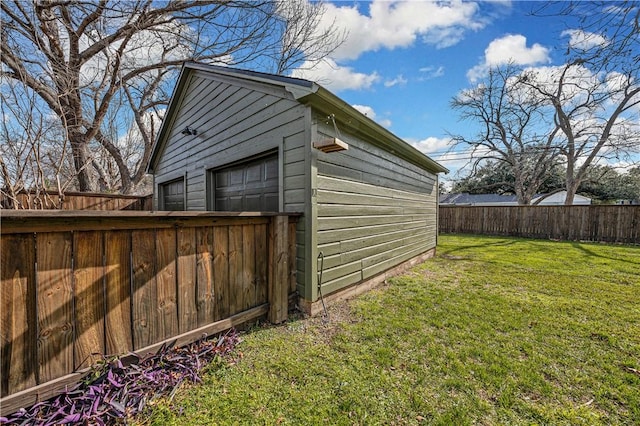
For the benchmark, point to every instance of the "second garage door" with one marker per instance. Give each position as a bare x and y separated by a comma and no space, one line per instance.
248,186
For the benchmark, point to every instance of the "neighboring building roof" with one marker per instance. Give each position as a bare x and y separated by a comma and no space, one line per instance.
478,199
465,199
307,93
558,198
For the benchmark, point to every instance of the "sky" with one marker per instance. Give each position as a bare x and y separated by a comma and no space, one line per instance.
403,62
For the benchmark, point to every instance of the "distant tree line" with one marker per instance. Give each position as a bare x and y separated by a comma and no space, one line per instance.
603,184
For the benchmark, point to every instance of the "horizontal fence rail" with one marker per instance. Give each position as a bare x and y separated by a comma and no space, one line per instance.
80,285
49,200
606,223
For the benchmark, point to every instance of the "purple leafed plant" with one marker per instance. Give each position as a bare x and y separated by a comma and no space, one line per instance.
114,391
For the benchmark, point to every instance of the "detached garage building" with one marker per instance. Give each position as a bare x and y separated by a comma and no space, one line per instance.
237,140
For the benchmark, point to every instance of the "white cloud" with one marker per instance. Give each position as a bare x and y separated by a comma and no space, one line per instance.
582,40
510,48
430,144
399,80
336,77
388,25
431,72
369,112
393,24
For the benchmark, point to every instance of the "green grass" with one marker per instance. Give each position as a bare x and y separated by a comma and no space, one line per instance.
491,331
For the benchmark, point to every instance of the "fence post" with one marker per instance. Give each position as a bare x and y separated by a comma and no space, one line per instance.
278,269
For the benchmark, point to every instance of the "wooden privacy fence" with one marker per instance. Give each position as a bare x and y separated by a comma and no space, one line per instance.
607,223
51,200
76,285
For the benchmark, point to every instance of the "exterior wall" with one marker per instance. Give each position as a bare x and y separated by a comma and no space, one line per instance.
365,209
374,211
234,120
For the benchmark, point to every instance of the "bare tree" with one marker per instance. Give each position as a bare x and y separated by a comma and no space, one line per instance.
595,96
597,114
513,130
27,137
93,63
606,34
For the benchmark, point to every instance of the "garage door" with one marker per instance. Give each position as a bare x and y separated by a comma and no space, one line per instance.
250,186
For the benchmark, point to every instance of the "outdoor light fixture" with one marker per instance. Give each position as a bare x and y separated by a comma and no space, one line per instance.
189,131
330,145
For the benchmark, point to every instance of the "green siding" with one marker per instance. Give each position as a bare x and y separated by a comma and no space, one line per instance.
374,211
366,209
237,120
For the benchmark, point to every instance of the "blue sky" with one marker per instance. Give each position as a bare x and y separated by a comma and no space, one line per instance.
404,61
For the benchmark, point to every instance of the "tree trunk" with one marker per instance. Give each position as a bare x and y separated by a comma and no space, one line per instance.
82,164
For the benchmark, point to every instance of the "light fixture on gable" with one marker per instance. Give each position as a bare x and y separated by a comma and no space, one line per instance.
189,131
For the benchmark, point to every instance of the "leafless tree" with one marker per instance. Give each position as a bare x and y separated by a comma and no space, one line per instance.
101,64
513,130
607,32
597,114
595,96
27,137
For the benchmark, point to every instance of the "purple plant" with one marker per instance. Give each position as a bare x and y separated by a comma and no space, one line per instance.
117,390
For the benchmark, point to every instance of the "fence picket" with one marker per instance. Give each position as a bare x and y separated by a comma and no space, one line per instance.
119,338
17,315
186,285
89,298
55,304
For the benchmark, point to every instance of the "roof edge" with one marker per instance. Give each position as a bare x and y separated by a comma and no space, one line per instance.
304,91
398,146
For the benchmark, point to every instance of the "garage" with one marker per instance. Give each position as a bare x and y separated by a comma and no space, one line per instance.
271,143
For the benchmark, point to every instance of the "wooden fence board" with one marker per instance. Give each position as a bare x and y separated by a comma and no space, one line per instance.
278,270
261,263
145,290
293,281
205,288
221,270
119,337
89,298
17,314
187,310
236,300
166,305
50,200
55,305
249,280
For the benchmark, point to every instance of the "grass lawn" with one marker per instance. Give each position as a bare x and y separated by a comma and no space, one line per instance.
491,331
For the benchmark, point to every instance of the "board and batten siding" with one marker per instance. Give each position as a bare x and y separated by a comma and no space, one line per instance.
235,120
374,211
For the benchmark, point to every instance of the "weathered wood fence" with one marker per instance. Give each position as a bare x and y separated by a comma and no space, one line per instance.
607,223
76,285
50,200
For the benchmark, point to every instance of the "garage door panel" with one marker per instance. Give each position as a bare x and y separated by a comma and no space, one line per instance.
271,169
250,186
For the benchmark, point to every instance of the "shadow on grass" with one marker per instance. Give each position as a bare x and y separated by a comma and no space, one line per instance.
449,253
584,248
